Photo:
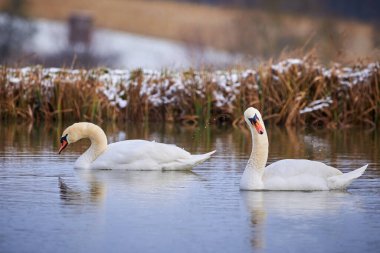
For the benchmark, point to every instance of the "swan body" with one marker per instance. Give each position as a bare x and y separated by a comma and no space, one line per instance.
288,174
129,154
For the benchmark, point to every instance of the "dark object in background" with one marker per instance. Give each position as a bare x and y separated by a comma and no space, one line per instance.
79,52
81,26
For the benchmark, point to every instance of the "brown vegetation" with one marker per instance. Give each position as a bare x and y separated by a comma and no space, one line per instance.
292,92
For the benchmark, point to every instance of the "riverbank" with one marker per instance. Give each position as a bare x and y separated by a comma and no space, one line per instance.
290,92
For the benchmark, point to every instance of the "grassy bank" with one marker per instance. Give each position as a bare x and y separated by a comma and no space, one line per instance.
291,92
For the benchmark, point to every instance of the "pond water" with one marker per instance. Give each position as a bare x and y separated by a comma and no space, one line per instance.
47,206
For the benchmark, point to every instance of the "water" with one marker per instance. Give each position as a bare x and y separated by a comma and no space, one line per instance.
198,211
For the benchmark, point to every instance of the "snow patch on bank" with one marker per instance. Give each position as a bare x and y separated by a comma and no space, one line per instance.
129,50
222,88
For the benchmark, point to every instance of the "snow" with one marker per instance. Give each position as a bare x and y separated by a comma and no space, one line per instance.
49,38
128,50
14,80
352,76
284,66
171,87
317,105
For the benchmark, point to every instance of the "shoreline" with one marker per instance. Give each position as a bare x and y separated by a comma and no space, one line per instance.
291,92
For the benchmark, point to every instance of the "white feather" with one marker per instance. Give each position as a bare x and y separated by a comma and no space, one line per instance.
129,154
289,174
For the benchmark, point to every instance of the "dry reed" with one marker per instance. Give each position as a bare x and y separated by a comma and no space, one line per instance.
291,92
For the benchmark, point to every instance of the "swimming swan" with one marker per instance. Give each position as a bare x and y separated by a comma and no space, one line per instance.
289,174
127,155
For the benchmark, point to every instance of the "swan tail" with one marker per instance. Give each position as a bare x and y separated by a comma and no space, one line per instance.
194,160
342,181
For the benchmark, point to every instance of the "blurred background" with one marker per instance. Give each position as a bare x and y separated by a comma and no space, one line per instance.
160,34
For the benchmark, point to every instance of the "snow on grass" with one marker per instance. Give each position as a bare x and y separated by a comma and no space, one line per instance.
164,87
284,66
317,105
351,76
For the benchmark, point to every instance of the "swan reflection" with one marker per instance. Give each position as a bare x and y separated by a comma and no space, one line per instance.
265,207
129,182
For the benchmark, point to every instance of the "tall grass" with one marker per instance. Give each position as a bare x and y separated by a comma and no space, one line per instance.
291,92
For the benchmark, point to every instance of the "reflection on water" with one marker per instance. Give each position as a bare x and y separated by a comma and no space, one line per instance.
313,221
47,206
97,182
95,193
290,205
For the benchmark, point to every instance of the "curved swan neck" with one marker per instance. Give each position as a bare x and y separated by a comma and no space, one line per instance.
98,141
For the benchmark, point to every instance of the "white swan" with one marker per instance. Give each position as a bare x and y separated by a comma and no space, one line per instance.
129,154
289,174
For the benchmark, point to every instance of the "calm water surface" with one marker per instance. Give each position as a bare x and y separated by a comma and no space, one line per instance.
198,211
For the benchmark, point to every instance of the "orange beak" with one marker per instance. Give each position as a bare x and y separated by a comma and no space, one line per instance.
64,144
259,127
255,121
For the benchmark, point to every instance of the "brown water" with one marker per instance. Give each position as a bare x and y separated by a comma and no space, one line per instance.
198,211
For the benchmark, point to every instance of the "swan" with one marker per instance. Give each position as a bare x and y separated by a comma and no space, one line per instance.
126,155
288,174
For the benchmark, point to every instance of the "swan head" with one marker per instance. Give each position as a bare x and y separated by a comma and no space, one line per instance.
253,118
73,134
70,135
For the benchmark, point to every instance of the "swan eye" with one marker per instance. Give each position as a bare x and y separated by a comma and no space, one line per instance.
63,138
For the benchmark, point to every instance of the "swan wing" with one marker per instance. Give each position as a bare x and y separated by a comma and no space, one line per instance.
298,174
139,155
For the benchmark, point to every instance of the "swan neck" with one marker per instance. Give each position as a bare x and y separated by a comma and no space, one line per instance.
97,147
259,153
98,143
252,178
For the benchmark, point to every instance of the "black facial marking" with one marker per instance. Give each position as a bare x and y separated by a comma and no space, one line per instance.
254,119
64,138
